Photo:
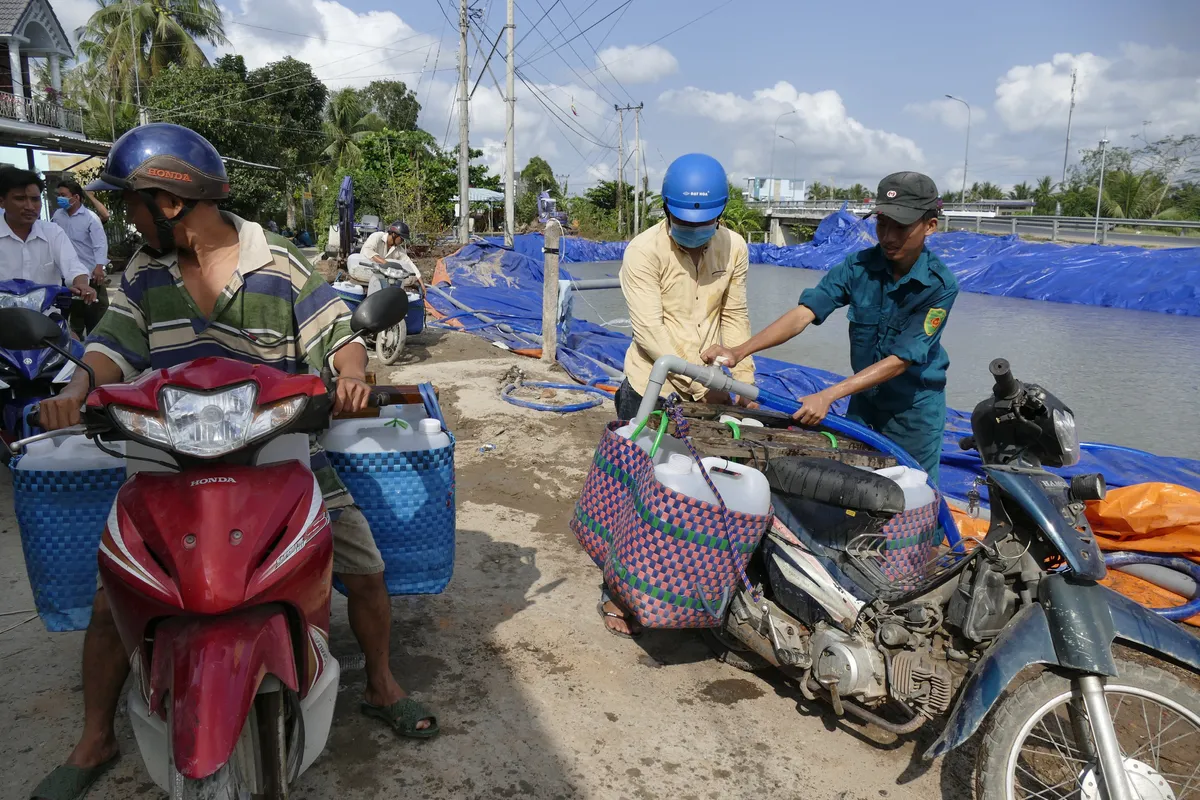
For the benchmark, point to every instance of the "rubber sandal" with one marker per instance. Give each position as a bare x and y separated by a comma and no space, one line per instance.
68,782
606,614
402,717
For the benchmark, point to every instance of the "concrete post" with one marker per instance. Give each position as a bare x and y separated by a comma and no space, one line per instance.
1054,231
14,65
978,223
550,291
1014,226
55,75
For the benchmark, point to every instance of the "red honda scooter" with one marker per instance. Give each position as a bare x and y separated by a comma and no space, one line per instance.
217,561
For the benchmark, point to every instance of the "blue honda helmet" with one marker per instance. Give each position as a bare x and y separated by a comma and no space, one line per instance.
695,188
166,157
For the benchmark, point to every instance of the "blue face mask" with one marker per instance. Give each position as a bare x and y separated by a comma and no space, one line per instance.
64,202
687,236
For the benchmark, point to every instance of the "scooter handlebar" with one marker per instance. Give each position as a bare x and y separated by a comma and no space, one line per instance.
1006,385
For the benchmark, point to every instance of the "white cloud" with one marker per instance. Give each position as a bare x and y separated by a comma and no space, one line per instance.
72,14
634,64
950,113
345,48
829,142
1159,85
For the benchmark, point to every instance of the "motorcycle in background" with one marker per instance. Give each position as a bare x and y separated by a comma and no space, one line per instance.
1079,691
30,375
217,561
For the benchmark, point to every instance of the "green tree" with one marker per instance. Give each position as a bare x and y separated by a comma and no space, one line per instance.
539,177
163,34
1043,195
394,103
348,121
738,216
605,193
1022,191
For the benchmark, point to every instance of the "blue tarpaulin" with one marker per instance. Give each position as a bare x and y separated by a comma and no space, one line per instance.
507,286
1165,280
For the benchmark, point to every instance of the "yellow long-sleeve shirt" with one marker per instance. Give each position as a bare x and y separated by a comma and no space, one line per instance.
680,309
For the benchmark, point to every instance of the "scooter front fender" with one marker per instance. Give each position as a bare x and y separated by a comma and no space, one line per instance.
1075,630
210,669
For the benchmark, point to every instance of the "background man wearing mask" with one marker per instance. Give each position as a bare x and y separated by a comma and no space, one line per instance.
83,227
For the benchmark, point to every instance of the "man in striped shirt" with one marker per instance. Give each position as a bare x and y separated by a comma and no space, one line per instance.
211,284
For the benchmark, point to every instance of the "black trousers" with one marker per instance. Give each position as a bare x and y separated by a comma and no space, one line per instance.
628,401
85,318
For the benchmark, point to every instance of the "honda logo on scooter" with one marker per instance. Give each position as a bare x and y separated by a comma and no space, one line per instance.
203,481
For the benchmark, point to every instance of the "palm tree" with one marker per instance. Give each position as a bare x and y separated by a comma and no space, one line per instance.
346,124
1021,191
131,41
1131,195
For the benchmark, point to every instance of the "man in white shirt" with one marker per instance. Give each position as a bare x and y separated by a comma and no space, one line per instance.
83,227
30,247
380,248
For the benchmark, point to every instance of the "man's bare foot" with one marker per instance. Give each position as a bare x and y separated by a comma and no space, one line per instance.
619,622
93,751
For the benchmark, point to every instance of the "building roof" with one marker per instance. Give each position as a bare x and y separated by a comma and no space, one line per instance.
15,16
477,195
10,13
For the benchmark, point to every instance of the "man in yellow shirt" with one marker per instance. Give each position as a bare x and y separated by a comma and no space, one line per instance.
684,282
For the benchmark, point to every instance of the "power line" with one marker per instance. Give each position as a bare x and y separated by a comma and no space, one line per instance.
539,54
671,33
571,47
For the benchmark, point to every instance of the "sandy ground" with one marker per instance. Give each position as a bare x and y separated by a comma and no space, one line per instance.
535,699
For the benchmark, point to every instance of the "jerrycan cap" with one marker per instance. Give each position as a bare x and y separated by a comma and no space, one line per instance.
429,426
678,463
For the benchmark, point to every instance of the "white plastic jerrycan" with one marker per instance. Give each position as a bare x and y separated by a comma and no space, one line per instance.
744,489
69,454
914,482
384,435
657,443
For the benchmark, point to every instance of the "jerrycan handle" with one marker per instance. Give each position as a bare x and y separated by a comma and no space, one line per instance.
662,429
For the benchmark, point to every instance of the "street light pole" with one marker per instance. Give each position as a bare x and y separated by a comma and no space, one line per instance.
1099,193
967,151
795,150
772,177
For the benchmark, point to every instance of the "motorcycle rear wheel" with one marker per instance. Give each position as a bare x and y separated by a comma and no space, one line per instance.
389,344
729,651
1038,742
224,784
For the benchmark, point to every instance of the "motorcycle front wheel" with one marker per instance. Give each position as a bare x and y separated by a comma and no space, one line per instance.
1038,742
390,343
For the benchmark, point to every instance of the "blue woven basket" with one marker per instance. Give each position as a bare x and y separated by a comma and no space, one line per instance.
62,516
408,500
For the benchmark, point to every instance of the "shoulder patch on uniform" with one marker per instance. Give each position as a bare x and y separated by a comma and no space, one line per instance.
934,319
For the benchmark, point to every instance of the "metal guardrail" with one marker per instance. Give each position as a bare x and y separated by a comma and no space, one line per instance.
1054,225
39,112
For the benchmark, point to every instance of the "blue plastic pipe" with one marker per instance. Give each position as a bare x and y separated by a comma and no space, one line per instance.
715,379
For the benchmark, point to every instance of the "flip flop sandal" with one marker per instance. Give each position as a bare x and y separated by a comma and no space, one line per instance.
68,782
402,717
606,614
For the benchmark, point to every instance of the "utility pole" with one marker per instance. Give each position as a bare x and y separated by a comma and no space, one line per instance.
136,52
620,168
621,163
637,170
1070,113
510,157
464,150
1100,191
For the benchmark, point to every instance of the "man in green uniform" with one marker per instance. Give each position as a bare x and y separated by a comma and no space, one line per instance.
899,295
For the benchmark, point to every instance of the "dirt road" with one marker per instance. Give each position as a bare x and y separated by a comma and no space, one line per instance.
535,699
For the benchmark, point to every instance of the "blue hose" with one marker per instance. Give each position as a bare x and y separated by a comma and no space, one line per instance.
865,435
1189,568
506,393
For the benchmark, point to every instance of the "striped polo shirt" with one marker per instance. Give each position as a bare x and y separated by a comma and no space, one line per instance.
276,310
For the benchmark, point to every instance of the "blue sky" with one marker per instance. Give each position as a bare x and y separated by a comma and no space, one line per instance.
866,79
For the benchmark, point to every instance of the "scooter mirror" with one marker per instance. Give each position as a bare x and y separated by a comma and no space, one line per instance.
380,311
26,329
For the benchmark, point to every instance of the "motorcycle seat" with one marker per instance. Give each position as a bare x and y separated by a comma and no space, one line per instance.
833,483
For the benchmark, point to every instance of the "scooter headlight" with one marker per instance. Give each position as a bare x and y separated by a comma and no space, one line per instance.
1068,436
208,425
33,300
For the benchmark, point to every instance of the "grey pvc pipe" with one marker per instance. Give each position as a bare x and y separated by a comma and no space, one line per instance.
1163,577
596,283
504,326
712,377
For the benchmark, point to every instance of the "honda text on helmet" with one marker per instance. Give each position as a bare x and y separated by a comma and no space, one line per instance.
161,157
695,191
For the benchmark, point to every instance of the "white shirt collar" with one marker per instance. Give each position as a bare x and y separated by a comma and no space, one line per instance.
34,233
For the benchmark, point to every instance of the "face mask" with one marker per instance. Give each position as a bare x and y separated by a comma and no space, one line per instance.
64,202
686,236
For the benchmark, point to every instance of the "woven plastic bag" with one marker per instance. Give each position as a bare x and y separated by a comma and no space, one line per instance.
673,561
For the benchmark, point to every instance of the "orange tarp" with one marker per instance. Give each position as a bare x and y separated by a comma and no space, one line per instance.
1159,518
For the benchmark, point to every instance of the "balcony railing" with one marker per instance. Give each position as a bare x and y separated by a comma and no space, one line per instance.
40,112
